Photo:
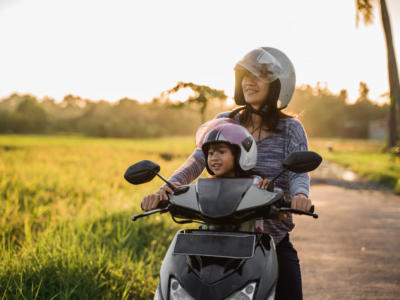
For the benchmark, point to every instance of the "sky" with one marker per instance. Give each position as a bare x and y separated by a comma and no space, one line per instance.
108,50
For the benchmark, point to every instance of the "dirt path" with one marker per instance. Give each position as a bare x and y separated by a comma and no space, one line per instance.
353,250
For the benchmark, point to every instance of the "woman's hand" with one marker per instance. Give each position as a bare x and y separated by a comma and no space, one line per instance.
302,202
299,201
151,201
263,184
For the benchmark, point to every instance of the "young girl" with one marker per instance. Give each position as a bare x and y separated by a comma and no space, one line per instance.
229,151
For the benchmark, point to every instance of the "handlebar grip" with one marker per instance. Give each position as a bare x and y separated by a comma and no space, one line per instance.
299,212
287,204
163,204
150,212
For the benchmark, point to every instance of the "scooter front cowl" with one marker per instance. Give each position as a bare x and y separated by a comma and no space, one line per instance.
218,265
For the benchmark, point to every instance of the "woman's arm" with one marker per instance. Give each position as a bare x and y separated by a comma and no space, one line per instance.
189,171
299,183
191,168
194,165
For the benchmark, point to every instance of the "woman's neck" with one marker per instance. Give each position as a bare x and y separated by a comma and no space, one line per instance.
256,121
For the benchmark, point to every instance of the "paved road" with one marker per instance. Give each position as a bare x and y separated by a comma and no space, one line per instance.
353,250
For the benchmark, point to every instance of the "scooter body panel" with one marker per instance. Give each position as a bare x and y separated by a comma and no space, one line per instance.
207,277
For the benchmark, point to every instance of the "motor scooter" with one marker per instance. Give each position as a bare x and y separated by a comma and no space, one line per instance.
218,261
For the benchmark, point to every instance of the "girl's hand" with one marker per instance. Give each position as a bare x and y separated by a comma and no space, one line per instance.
263,184
151,201
302,202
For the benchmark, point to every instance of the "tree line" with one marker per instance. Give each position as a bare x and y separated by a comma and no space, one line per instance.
323,114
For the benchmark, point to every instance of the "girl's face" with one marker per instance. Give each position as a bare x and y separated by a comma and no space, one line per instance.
255,90
221,160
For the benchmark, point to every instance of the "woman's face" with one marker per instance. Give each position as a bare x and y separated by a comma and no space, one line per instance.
255,90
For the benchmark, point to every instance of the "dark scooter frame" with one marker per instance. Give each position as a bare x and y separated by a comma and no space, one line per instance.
218,261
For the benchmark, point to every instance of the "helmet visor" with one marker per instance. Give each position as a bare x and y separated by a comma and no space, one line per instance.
262,64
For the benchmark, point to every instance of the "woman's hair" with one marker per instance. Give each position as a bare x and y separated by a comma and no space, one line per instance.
236,154
269,112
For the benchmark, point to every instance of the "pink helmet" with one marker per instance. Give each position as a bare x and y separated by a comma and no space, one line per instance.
228,131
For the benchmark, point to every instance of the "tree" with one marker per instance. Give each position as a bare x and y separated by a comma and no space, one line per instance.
361,113
202,95
365,9
29,116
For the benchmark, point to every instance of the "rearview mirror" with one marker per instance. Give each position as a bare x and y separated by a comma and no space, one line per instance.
302,161
141,172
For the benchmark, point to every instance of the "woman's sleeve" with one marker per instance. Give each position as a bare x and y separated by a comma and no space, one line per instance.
194,165
191,168
299,183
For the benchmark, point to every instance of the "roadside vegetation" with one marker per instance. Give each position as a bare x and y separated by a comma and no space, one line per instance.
323,113
369,159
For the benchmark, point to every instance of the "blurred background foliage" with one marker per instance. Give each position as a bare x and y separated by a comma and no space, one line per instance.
323,114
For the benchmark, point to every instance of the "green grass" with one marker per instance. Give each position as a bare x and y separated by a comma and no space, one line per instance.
366,158
65,228
65,211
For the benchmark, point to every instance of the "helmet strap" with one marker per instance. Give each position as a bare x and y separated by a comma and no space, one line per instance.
261,112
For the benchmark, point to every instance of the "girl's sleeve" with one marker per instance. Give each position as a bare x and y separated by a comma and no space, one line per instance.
299,183
194,165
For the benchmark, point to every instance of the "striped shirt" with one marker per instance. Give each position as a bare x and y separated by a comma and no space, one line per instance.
270,153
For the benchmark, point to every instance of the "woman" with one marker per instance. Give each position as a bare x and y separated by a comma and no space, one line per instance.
264,85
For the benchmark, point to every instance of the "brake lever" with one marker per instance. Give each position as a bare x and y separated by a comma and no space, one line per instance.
150,212
299,212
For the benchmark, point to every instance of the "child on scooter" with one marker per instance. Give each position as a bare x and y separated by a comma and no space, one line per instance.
229,151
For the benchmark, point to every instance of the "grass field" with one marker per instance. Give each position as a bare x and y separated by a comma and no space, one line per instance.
65,213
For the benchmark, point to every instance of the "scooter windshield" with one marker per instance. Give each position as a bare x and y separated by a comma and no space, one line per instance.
219,197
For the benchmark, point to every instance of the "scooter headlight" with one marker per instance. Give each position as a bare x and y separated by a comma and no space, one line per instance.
247,293
177,292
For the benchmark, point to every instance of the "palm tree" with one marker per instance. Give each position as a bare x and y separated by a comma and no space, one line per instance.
365,9
202,95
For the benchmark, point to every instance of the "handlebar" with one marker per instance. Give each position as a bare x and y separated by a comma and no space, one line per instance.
286,208
299,212
150,212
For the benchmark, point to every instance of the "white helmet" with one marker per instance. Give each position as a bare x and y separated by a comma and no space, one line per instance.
269,64
228,131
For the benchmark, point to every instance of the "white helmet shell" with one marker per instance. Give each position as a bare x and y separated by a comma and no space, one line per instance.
270,64
229,131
